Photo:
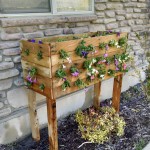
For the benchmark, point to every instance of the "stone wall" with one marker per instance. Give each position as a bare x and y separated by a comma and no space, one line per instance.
119,15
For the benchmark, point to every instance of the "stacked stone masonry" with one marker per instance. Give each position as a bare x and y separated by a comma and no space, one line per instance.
119,15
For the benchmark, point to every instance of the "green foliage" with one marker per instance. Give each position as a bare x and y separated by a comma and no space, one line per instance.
122,41
101,72
104,33
42,87
97,126
112,43
33,71
27,52
63,54
102,45
79,83
65,85
39,55
140,145
61,40
73,69
60,73
29,84
83,50
111,72
87,64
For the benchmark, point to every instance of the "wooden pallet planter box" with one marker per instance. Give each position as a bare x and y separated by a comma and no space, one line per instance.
44,56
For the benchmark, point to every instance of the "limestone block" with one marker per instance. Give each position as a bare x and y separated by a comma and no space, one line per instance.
67,31
108,20
33,35
120,12
11,30
111,26
114,6
6,65
1,105
130,4
7,45
100,6
5,112
79,30
53,31
29,29
11,52
17,59
8,59
9,73
96,27
120,18
137,10
2,94
100,14
123,23
1,58
141,5
5,84
110,14
47,26
15,36
81,24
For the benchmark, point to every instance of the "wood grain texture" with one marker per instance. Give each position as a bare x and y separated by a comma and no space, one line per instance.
35,48
34,122
117,92
43,71
52,124
97,91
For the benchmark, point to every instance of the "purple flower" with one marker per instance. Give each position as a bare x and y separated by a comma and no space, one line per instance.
75,74
109,31
40,42
117,68
64,79
105,55
118,34
29,79
107,47
32,40
84,53
116,62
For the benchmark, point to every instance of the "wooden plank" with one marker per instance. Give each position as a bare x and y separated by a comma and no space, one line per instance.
58,90
97,91
32,58
35,48
45,92
43,71
52,124
34,122
117,92
74,57
71,45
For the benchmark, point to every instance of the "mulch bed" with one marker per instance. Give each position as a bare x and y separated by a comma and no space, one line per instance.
134,108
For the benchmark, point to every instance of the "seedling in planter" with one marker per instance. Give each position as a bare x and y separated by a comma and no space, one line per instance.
42,87
111,72
39,55
79,83
101,72
64,55
27,52
60,73
61,40
74,71
102,45
122,42
83,50
92,73
65,85
112,43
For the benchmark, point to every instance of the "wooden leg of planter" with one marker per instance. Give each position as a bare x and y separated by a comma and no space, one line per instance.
97,91
52,124
34,122
117,92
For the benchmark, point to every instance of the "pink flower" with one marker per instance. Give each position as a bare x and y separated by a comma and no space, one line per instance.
124,66
117,68
92,77
105,55
75,74
103,61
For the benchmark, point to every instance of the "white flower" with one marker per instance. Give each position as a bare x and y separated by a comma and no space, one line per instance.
89,74
93,60
63,66
69,59
102,76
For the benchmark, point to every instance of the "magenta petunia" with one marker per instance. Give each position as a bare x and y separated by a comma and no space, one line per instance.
105,55
75,74
92,77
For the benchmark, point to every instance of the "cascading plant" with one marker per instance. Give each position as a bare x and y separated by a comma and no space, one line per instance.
83,50
74,71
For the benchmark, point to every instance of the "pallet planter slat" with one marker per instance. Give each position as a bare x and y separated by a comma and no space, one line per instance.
41,60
